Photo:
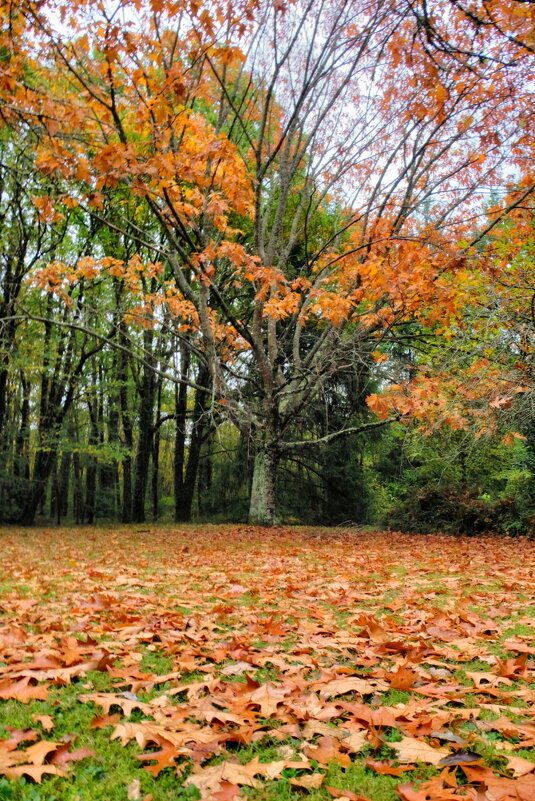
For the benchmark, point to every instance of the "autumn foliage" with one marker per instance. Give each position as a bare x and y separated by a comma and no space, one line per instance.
334,648
264,185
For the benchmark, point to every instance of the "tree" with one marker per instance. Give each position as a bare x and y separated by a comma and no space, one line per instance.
462,31
299,173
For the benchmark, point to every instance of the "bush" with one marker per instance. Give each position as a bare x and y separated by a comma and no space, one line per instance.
456,510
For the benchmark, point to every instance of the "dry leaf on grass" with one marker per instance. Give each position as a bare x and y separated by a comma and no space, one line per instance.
310,782
35,772
22,690
208,780
521,789
341,794
268,696
63,756
46,721
134,790
355,742
460,758
520,766
410,749
352,684
327,750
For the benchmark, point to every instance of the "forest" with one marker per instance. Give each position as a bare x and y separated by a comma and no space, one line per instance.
268,262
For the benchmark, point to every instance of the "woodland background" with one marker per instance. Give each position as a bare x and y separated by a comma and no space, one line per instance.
270,261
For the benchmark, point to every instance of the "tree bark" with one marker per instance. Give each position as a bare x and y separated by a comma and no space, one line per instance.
78,497
44,464
126,422
146,432
156,456
181,407
263,502
184,503
21,464
91,472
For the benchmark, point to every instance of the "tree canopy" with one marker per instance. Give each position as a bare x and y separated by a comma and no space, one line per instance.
313,218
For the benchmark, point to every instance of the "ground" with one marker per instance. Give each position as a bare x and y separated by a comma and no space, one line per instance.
231,662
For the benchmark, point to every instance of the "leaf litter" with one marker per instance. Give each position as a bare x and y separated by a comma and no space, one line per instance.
340,647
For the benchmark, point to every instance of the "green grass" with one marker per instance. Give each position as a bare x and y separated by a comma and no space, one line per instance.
103,777
106,775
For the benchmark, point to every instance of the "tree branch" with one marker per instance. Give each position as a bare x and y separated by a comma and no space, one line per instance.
345,432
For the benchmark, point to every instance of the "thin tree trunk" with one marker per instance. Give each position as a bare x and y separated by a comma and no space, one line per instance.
63,485
91,472
21,465
199,424
78,497
146,432
204,478
126,422
108,474
181,406
156,456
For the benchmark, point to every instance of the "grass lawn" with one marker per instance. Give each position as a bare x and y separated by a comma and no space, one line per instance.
224,662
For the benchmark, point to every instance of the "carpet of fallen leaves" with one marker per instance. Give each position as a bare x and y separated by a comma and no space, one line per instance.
296,637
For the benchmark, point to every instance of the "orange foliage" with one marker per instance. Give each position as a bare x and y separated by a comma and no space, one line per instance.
129,104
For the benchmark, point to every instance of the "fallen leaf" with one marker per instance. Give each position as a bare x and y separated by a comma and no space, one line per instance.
355,742
521,789
386,767
102,721
412,750
46,721
134,790
22,690
268,696
327,750
350,685
35,772
38,752
520,766
227,792
164,758
63,756
208,780
310,782
460,758
336,793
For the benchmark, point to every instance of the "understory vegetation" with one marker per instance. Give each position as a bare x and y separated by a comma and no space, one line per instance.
393,478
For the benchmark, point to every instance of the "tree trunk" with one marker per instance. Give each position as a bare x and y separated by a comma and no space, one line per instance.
143,455
21,465
263,502
181,406
126,422
204,478
146,432
108,471
156,456
43,466
78,497
91,472
60,487
64,475
183,504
